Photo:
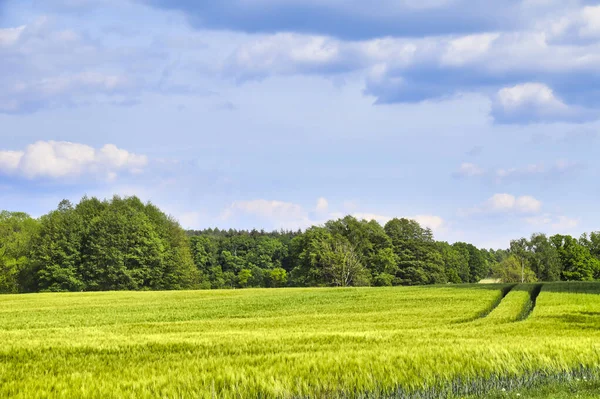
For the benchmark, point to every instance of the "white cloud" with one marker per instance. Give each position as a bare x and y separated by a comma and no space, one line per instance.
528,204
535,102
528,93
10,36
9,160
509,203
556,223
283,53
431,221
501,202
322,205
279,214
59,159
468,48
590,22
469,170
381,219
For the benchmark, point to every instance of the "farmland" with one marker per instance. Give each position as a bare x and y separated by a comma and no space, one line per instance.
304,342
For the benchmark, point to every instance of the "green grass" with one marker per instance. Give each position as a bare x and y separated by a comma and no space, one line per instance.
425,342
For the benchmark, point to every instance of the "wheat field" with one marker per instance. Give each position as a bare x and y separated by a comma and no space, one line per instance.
401,342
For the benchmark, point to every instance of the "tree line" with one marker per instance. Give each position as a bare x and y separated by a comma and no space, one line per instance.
124,244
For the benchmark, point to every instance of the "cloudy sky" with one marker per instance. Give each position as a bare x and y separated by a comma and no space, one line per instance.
478,119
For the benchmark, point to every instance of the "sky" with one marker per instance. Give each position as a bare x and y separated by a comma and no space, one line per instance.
479,120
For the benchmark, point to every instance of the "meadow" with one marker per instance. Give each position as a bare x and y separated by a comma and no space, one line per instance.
422,342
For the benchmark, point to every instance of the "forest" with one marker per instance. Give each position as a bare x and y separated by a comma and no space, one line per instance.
125,244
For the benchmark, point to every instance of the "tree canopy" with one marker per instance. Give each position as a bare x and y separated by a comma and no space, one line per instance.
124,244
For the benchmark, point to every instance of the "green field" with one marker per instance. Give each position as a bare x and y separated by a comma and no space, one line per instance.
425,342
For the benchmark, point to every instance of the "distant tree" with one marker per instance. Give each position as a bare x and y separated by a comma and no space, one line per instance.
419,261
510,271
342,265
456,262
243,278
577,262
277,277
56,255
111,245
383,280
592,242
17,230
543,258
368,240
518,248
478,268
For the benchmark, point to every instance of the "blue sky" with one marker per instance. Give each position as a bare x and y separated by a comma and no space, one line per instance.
478,121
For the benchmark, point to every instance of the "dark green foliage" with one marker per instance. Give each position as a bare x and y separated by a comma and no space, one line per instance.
120,244
124,244
578,264
16,232
419,261
478,267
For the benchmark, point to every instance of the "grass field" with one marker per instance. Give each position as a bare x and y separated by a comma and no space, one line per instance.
422,342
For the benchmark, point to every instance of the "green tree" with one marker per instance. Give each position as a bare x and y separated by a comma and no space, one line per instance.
17,230
510,271
478,268
543,258
419,261
456,262
56,254
577,262
341,264
243,278
277,277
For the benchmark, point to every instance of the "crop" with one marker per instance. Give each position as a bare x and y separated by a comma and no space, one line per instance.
425,342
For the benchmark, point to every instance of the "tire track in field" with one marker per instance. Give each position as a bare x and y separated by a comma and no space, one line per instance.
483,314
530,305
517,305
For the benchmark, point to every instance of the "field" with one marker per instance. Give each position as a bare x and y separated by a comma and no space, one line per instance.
422,342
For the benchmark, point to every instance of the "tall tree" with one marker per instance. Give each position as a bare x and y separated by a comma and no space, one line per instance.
419,261
577,262
17,230
543,258
478,268
518,248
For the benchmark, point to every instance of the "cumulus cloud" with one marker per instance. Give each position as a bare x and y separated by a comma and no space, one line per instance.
431,221
559,223
503,203
468,48
535,102
322,205
356,20
529,76
509,203
10,36
44,66
65,160
407,51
